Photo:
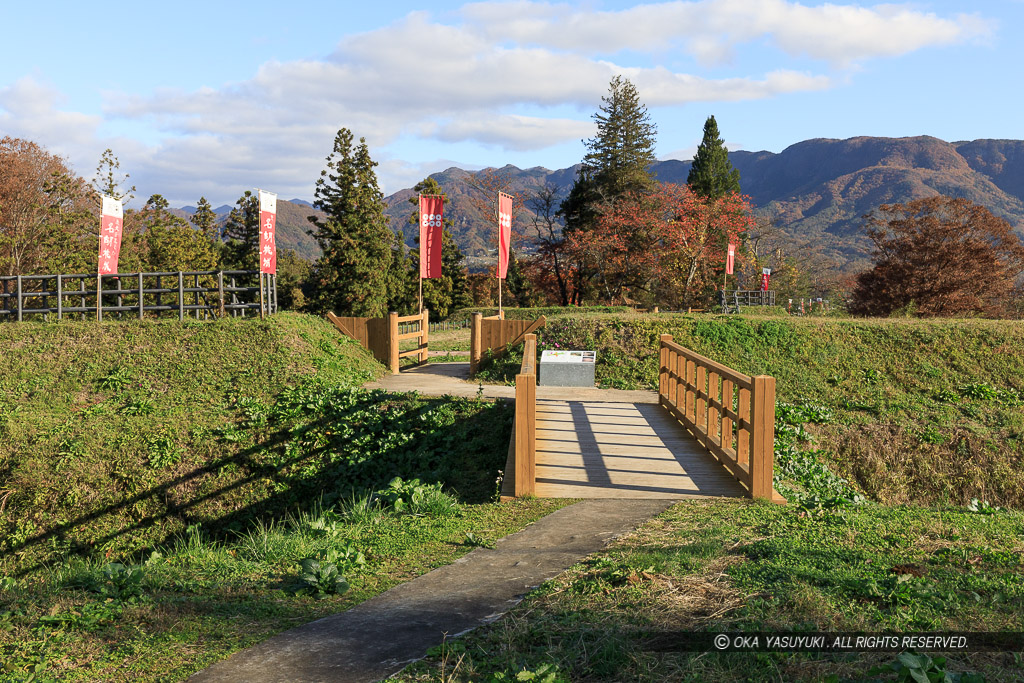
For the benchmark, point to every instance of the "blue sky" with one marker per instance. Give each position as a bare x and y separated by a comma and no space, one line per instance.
213,98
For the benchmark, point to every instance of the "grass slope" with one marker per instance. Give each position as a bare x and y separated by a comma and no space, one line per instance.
173,492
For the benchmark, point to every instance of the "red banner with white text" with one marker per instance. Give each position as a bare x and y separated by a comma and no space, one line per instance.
504,232
766,273
730,259
268,232
431,235
111,227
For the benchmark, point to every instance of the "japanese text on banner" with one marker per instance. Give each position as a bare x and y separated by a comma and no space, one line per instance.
111,227
268,237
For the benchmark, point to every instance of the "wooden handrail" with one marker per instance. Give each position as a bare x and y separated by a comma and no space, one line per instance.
729,413
523,444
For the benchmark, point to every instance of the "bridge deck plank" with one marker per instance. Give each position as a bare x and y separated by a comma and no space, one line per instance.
622,450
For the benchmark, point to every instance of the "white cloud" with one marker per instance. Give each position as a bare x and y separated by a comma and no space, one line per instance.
710,29
471,82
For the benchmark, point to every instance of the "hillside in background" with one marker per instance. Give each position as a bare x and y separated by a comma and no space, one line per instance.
292,225
815,192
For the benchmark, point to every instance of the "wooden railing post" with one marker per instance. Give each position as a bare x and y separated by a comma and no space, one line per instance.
762,457
663,366
393,342
475,341
425,331
60,297
181,295
526,421
142,299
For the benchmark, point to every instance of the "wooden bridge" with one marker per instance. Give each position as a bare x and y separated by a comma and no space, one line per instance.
709,432
710,435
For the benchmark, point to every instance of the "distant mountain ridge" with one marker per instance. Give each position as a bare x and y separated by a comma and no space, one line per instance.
816,191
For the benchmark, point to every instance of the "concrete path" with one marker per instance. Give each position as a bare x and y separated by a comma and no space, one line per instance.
382,635
452,379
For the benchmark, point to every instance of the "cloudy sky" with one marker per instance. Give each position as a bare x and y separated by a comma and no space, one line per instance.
213,98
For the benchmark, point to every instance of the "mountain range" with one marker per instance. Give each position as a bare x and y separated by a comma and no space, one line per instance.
814,194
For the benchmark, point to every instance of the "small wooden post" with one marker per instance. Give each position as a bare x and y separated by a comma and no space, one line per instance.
702,404
181,295
60,297
81,288
424,334
393,342
159,295
691,382
744,435
664,357
220,290
714,414
475,340
142,298
762,458
526,424
726,435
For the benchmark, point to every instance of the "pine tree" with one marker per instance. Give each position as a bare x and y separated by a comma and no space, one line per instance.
443,295
205,220
711,174
242,233
616,165
352,275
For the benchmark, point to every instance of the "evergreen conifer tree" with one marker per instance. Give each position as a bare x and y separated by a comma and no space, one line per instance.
205,220
711,174
352,275
443,295
242,232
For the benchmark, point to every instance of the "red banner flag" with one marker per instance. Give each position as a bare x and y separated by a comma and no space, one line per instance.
504,232
268,236
730,260
111,225
431,234
765,274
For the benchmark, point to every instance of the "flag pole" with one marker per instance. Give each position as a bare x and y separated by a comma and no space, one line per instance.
497,271
419,221
259,256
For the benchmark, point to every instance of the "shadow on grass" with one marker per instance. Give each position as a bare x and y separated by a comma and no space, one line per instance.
322,453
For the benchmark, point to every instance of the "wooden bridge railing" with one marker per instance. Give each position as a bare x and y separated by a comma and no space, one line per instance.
521,465
382,336
729,413
494,334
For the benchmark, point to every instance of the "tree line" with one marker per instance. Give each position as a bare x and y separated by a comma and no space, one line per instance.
619,236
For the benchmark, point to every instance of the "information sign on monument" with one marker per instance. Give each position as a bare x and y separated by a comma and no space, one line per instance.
567,368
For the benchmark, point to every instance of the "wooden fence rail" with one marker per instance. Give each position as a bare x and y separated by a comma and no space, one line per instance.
383,336
494,334
729,413
521,465
205,293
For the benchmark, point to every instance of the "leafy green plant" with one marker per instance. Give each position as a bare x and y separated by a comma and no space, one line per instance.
475,541
114,580
415,497
544,673
982,507
911,667
115,380
318,578
347,557
137,406
162,451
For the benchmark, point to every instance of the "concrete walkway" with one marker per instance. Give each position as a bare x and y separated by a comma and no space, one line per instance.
381,636
452,379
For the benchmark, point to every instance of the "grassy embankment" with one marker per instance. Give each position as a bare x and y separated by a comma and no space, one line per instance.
899,446
161,482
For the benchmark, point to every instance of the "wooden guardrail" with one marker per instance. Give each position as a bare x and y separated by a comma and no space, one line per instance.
729,413
382,338
494,334
203,293
521,465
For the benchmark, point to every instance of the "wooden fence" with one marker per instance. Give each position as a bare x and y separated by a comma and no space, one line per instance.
205,293
730,414
751,297
521,465
494,334
383,336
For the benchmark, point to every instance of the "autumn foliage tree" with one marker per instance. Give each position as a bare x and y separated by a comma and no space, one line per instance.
665,245
939,256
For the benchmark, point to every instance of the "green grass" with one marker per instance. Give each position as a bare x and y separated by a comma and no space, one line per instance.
164,486
733,566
